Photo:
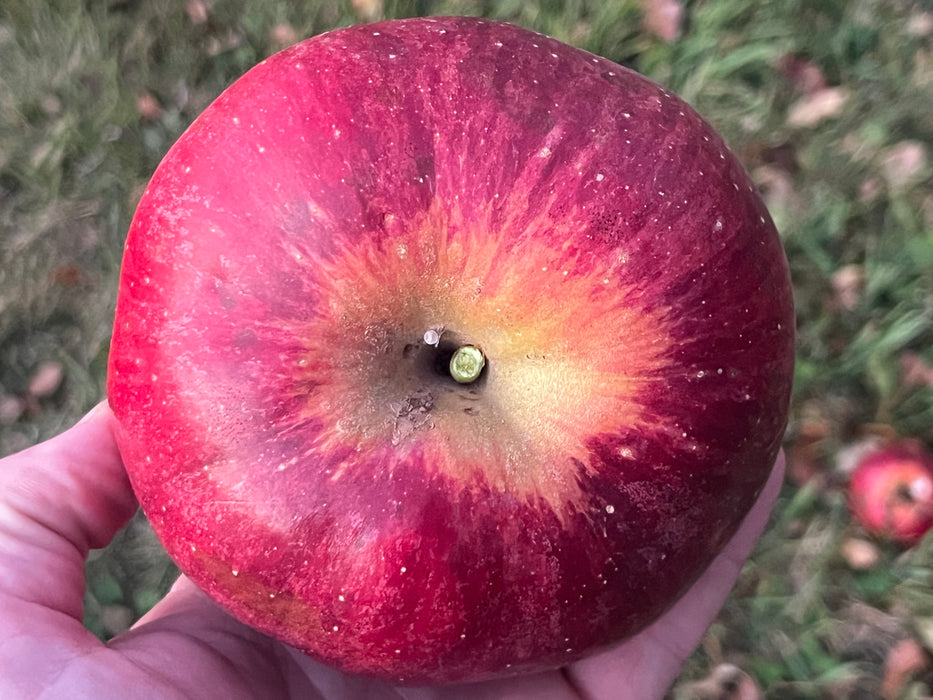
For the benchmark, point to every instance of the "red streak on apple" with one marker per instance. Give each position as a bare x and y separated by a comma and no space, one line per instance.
891,492
286,426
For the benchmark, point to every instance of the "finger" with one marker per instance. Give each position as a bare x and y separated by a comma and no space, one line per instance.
58,500
648,663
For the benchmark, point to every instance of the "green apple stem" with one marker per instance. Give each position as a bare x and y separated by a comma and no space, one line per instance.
467,363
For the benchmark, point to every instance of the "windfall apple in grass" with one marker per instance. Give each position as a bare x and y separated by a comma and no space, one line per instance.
354,219
891,492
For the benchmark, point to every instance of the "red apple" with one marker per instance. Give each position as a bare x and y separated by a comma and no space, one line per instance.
319,243
891,492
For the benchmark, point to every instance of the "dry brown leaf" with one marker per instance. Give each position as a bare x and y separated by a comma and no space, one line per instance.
860,554
116,619
11,408
848,282
905,660
804,462
725,682
904,163
817,107
802,73
663,18
283,34
197,11
148,106
920,24
46,379
915,370
368,10
848,457
870,188
777,188
68,276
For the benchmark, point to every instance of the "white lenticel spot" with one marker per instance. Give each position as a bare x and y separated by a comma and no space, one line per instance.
610,509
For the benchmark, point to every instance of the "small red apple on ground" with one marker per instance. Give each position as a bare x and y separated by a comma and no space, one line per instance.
444,350
891,492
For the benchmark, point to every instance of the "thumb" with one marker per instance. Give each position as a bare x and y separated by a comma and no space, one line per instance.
58,500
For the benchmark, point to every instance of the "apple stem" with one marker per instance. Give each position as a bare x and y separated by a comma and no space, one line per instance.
467,363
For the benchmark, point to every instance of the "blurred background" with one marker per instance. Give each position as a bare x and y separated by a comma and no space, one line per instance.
829,103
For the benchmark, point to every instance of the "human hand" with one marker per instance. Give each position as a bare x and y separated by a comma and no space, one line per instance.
66,496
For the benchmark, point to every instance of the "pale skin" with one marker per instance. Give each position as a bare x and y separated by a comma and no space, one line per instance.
66,496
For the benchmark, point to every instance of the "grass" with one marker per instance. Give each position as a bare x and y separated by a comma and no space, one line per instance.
93,93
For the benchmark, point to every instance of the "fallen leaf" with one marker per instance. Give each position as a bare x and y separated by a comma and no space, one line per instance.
870,188
368,10
904,661
283,34
848,457
859,554
920,24
11,408
817,107
116,619
197,11
777,188
805,463
725,682
915,370
848,282
663,18
68,276
904,164
802,73
46,379
148,106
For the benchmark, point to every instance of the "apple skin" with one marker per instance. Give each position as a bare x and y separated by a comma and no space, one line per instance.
279,412
891,492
